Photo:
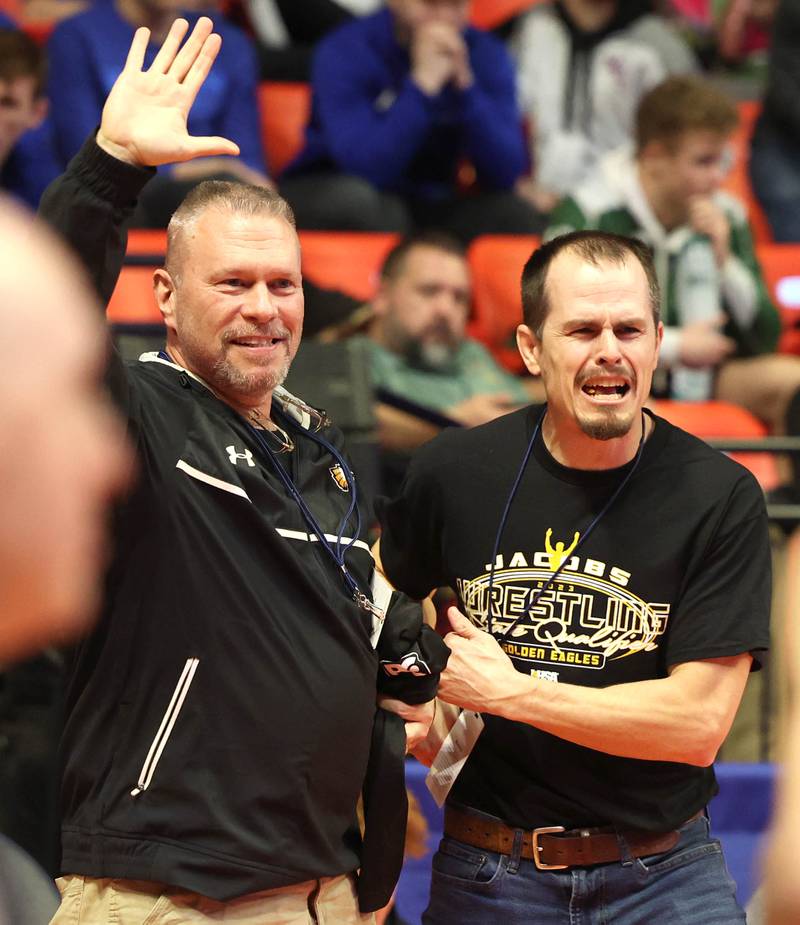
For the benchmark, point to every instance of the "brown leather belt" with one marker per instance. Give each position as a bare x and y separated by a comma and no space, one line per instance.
553,848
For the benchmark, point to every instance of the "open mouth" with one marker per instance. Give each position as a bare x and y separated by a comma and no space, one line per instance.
606,390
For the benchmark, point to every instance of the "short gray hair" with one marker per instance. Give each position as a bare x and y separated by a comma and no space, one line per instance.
227,195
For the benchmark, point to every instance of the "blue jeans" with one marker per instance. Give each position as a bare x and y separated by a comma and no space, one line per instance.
688,885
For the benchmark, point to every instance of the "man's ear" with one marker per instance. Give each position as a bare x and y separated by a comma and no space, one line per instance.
528,346
164,292
380,302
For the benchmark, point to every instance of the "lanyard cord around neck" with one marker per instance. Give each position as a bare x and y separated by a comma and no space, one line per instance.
337,551
584,536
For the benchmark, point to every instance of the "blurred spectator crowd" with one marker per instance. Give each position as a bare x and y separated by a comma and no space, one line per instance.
488,125
505,122
426,147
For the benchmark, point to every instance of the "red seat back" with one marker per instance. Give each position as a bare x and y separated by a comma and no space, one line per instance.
284,110
133,301
780,264
488,14
346,260
737,183
496,262
718,419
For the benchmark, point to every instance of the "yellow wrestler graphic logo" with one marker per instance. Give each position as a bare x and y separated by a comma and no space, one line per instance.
559,554
582,617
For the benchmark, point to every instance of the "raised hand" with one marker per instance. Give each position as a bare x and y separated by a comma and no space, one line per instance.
144,118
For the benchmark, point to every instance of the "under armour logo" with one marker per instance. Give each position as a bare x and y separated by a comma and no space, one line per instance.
233,456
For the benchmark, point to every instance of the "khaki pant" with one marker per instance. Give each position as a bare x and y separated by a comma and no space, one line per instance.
90,901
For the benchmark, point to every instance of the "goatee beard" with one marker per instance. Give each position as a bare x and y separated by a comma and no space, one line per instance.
609,428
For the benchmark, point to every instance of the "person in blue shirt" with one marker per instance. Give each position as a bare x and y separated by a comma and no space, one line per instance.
27,159
87,52
401,100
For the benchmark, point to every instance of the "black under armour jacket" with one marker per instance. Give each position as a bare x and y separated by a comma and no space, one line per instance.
219,719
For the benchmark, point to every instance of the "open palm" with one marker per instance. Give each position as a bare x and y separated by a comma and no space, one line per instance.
144,118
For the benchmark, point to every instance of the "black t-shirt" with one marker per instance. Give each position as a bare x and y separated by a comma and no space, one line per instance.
677,570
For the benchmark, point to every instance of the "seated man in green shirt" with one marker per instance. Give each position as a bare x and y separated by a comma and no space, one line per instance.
419,349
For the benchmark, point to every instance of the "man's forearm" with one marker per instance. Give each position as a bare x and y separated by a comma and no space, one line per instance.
89,205
681,718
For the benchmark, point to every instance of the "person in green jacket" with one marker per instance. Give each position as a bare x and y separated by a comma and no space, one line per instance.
721,328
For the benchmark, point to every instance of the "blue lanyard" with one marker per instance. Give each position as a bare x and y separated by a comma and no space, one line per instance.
339,550
584,536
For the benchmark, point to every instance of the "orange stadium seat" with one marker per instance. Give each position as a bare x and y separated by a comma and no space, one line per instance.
284,110
40,30
780,264
488,14
711,420
146,242
496,262
737,183
346,260
133,301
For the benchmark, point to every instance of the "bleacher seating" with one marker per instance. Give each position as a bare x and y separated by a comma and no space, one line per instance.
496,262
348,261
737,183
712,420
488,14
133,301
146,243
780,264
39,30
284,110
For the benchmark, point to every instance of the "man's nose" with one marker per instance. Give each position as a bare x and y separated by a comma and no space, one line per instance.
259,303
608,351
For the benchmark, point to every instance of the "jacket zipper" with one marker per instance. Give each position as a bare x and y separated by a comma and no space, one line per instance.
167,724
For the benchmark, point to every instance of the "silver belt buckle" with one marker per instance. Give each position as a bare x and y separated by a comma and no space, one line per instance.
546,830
